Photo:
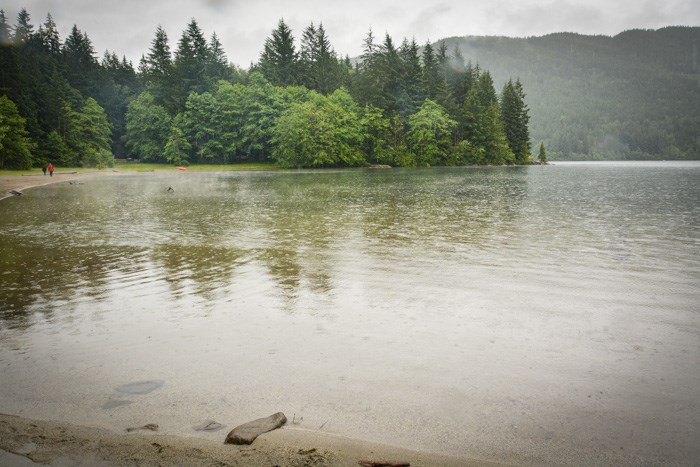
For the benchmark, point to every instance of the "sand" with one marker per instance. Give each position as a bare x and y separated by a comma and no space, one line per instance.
32,179
24,442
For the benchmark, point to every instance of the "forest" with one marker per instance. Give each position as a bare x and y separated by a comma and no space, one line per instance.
634,95
300,105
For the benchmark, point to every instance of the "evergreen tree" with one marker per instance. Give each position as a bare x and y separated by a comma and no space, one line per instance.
443,96
364,84
319,67
542,156
4,30
24,31
515,117
431,73
413,94
80,63
483,124
191,58
50,38
158,73
279,61
217,64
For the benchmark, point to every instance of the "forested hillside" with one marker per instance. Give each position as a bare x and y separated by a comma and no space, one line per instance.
300,105
632,96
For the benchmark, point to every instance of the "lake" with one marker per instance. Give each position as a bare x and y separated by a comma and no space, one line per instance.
516,314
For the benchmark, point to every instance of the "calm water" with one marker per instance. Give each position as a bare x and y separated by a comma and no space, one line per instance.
531,315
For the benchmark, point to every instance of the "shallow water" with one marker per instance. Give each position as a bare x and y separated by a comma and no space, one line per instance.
531,315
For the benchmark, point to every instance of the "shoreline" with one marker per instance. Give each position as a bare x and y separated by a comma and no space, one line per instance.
20,182
26,441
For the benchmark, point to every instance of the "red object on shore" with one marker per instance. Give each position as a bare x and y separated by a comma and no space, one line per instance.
50,167
178,167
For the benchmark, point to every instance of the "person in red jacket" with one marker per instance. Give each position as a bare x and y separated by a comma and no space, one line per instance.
50,169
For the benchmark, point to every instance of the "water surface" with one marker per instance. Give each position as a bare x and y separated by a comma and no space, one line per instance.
531,315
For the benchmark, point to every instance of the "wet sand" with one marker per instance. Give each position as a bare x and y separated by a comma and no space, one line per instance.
31,179
24,442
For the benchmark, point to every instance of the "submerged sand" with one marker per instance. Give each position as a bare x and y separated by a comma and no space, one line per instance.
24,441
27,442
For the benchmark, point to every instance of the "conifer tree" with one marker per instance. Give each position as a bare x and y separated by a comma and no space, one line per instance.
515,117
319,67
24,29
411,75
191,59
80,63
217,63
542,156
483,124
279,61
50,38
431,72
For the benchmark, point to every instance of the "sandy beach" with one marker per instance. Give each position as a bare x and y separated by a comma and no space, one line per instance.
30,442
30,179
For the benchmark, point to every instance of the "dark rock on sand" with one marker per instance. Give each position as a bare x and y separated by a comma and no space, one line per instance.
140,387
246,433
114,403
209,425
148,426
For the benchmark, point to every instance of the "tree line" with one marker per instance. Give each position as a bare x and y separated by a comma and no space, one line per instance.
298,107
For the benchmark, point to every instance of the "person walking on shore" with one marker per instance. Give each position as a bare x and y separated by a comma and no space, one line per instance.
50,169
43,169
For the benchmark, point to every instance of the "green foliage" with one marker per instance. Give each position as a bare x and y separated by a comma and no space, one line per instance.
88,135
147,128
249,113
321,132
14,145
177,148
430,134
202,124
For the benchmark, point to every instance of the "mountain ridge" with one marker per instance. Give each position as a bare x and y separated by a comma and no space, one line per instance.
633,95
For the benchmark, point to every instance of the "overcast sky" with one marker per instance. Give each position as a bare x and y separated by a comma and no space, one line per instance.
127,27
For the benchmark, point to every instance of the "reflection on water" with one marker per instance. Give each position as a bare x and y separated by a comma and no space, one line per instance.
130,232
469,308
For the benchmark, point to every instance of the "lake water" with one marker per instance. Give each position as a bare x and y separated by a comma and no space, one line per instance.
525,314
